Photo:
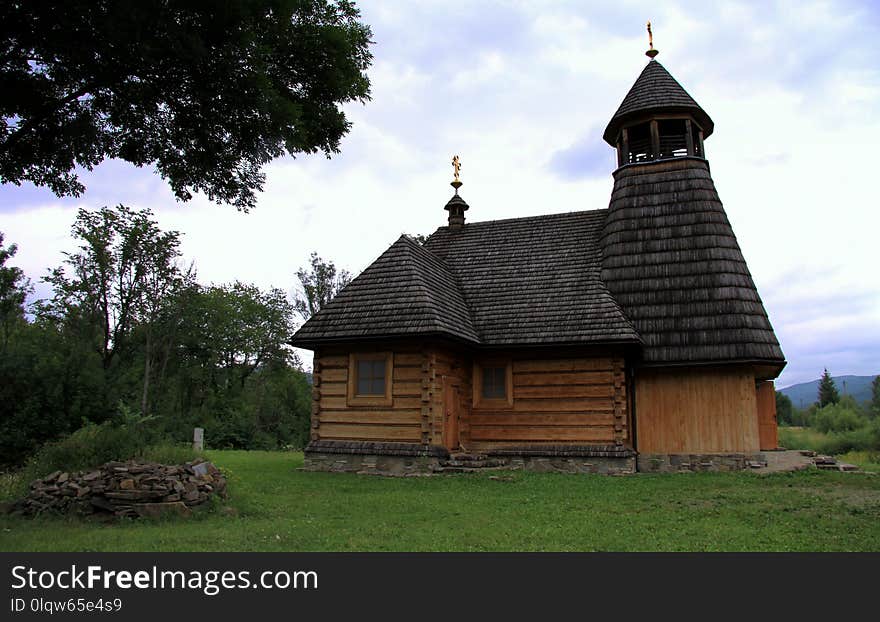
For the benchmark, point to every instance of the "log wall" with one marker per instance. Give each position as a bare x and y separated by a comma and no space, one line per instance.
403,421
696,411
557,401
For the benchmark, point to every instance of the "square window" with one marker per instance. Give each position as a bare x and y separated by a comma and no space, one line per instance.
494,383
371,377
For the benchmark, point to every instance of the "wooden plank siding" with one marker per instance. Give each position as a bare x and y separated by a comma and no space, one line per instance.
334,418
765,394
559,401
696,410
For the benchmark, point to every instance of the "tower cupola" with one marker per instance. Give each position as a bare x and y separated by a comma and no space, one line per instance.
657,120
456,206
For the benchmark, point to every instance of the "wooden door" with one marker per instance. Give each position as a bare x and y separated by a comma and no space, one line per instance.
451,402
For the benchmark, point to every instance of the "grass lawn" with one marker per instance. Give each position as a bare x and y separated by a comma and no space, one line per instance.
274,507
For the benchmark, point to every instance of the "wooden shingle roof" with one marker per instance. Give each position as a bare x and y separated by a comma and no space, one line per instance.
534,280
406,291
523,281
656,91
671,260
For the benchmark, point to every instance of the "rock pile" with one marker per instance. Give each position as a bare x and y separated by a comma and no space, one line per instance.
132,489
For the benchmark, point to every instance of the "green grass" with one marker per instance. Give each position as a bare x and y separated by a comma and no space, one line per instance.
274,507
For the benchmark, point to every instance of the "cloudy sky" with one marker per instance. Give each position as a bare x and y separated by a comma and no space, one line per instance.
522,91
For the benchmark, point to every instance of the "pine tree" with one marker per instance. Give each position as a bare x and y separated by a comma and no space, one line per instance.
827,390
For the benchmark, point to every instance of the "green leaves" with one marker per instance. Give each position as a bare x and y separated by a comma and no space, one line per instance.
207,93
122,273
319,285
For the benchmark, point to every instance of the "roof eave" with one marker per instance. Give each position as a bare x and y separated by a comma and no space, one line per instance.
311,343
774,367
630,118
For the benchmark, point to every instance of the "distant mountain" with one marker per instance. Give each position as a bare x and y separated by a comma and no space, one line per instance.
805,393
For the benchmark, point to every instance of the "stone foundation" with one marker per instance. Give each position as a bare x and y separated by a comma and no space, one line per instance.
689,463
602,466
404,459
371,464
369,458
602,459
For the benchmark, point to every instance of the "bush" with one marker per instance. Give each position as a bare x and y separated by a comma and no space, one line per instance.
168,453
88,447
865,439
837,418
127,437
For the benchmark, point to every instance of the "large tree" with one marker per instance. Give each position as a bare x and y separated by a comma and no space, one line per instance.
235,330
206,92
828,393
117,279
14,288
319,284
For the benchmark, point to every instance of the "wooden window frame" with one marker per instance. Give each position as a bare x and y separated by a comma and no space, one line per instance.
353,399
505,402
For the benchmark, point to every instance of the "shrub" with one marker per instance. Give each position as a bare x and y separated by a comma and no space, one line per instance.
865,439
837,418
168,453
89,446
126,437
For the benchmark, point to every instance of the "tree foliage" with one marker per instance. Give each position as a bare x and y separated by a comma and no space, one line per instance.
319,283
14,288
828,393
875,397
206,92
185,354
784,409
122,272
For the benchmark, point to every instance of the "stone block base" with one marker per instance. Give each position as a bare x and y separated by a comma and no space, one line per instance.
553,464
371,464
688,463
404,459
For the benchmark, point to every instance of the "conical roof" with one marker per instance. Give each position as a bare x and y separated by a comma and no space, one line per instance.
656,90
406,291
670,258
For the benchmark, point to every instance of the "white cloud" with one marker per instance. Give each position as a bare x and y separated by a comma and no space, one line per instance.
792,88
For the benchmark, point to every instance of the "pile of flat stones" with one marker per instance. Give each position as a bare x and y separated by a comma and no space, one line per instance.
125,489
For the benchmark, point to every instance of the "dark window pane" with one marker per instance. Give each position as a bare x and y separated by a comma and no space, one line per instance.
371,377
494,382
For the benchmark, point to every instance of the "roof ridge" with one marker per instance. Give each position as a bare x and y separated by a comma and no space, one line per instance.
523,218
457,282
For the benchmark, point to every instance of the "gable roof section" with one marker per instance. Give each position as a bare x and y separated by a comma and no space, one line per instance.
672,261
656,90
534,281
406,291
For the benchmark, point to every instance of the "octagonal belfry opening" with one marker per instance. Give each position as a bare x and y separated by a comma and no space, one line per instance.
658,120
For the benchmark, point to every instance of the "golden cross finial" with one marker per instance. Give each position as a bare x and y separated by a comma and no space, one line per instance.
651,53
456,166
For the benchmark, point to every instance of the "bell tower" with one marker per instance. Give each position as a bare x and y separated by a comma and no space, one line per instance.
657,120
670,257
